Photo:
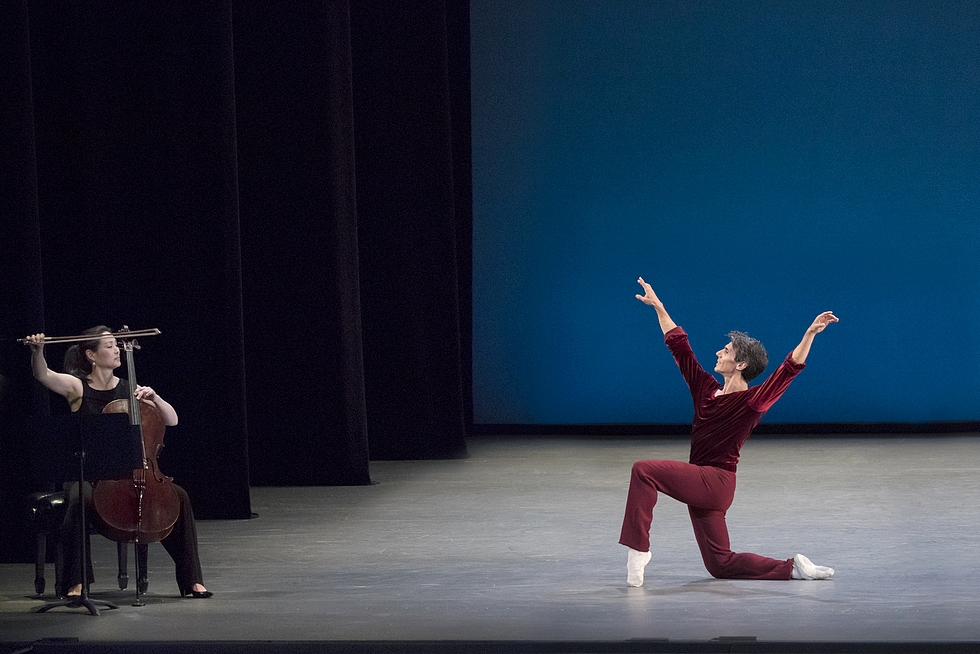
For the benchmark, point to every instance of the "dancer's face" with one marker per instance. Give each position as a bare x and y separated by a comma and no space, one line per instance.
727,365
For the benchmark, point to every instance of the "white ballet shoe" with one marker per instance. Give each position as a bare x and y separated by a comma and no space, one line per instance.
636,561
804,568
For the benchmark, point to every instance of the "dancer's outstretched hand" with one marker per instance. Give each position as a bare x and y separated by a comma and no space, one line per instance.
648,297
820,322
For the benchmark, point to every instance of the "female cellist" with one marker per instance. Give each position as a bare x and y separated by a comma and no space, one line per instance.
88,386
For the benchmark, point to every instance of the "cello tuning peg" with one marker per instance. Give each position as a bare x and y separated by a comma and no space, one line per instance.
125,342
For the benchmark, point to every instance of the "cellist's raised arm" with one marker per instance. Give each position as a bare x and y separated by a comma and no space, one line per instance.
68,386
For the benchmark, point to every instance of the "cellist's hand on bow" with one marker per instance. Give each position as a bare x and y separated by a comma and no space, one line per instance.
36,342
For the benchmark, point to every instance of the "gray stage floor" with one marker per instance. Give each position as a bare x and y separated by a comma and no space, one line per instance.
519,543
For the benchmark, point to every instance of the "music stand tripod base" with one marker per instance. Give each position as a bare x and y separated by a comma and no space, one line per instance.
81,600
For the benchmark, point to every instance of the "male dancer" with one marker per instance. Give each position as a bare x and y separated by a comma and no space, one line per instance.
724,417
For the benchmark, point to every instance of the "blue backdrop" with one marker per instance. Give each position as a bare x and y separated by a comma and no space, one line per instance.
757,162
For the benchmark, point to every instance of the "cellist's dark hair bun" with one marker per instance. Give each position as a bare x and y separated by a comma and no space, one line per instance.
76,363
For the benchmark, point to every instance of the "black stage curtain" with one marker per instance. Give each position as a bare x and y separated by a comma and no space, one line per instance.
20,277
411,103
283,192
306,406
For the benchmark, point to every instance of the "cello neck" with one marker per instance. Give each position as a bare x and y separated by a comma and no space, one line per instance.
134,405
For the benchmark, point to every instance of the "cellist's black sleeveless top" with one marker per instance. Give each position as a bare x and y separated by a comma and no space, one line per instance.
94,401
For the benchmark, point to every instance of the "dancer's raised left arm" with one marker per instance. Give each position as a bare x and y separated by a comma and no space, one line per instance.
819,324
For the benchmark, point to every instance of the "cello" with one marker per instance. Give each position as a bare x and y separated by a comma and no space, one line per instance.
141,508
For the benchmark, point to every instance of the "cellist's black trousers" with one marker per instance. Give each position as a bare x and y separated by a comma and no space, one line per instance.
181,544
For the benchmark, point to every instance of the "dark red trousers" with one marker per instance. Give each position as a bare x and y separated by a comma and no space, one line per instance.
708,492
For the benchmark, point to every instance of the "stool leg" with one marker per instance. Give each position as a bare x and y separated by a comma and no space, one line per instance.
122,556
42,553
59,569
141,577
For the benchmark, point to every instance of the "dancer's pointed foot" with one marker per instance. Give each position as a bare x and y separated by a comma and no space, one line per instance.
636,561
74,591
804,568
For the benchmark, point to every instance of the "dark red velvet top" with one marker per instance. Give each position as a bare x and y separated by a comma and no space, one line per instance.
722,424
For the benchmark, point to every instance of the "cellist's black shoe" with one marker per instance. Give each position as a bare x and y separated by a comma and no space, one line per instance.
197,594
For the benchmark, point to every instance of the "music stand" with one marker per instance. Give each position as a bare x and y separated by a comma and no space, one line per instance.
107,447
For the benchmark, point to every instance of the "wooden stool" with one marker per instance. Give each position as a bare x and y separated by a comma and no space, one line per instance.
46,513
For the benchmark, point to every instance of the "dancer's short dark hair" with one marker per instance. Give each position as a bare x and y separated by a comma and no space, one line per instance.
752,352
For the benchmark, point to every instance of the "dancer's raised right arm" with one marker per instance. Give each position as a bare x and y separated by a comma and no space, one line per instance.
649,297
